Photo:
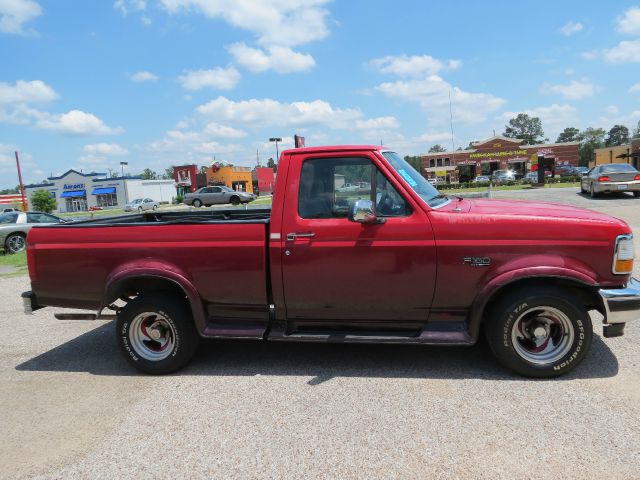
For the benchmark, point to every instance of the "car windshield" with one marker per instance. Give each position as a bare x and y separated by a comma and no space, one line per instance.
227,189
417,182
619,168
8,218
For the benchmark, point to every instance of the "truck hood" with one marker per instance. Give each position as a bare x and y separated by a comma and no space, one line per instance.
537,209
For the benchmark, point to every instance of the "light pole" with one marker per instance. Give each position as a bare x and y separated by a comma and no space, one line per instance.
122,164
276,139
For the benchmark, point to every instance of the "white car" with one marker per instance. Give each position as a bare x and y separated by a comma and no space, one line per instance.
141,204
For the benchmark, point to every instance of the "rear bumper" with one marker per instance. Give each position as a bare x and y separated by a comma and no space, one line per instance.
602,187
621,305
29,302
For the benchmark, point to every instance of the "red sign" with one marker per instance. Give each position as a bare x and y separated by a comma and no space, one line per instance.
299,141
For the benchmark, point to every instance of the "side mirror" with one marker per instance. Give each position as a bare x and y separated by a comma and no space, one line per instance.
362,211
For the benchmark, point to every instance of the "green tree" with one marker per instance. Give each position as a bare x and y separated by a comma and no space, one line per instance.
592,138
42,201
618,135
525,128
472,145
168,173
569,134
415,162
272,164
148,174
10,191
437,148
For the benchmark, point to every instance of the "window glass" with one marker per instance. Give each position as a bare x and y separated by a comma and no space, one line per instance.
49,218
329,187
8,217
34,218
618,168
216,190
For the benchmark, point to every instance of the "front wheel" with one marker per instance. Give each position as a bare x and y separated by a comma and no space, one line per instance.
235,200
636,194
197,203
156,333
539,332
16,242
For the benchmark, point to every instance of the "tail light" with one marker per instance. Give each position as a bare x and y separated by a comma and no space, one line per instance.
603,179
637,177
623,254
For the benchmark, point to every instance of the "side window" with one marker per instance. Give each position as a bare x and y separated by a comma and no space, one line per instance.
330,186
216,190
34,218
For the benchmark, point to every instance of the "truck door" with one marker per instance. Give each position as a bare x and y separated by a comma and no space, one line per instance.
346,276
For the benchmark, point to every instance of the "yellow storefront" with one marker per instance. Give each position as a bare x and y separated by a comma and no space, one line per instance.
629,153
237,178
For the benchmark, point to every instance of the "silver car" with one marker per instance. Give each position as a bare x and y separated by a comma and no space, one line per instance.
611,178
141,204
15,225
217,196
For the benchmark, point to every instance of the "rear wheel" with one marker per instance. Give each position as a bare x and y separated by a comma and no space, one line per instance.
636,194
539,332
155,207
16,242
592,192
197,203
156,333
139,209
235,200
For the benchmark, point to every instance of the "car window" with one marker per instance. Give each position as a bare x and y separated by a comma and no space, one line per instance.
6,218
330,186
618,168
49,218
148,200
36,218
216,190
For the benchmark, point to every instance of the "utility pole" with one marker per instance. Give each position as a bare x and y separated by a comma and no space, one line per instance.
257,158
24,199
276,139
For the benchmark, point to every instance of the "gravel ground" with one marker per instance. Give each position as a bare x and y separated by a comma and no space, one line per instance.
72,408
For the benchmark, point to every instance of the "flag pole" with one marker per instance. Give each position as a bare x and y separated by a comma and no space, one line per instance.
24,199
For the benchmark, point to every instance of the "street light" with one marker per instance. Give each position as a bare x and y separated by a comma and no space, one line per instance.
276,139
122,164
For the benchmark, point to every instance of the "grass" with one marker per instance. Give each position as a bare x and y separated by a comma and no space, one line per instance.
17,264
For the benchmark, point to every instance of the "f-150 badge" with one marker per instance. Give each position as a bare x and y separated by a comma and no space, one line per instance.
477,261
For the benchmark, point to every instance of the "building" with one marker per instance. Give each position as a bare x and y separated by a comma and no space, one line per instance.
496,153
187,179
628,153
263,180
238,178
76,191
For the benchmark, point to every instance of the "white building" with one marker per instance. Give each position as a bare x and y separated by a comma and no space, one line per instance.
76,192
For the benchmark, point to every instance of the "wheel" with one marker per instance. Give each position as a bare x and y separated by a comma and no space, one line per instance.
592,192
636,194
539,332
582,190
156,333
16,242
155,207
139,209
197,203
235,200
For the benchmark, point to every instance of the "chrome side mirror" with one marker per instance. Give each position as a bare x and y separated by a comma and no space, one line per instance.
362,211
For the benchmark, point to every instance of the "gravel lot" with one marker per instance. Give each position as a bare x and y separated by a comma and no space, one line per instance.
71,407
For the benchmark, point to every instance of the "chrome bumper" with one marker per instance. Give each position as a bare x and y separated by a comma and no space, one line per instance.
622,305
29,302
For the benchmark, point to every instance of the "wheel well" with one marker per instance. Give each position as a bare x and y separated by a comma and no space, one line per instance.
134,287
587,294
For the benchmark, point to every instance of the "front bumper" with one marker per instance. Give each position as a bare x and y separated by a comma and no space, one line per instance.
621,305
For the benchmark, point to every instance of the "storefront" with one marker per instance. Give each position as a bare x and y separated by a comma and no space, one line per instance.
238,178
497,153
628,153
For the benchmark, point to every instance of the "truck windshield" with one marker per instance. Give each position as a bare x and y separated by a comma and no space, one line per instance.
417,182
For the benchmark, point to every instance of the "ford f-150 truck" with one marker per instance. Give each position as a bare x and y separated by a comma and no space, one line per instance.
393,261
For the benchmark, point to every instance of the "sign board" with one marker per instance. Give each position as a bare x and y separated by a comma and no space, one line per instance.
441,173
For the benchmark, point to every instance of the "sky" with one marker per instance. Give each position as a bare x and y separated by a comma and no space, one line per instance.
155,83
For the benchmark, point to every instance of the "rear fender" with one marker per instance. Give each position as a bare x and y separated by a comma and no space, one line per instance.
154,269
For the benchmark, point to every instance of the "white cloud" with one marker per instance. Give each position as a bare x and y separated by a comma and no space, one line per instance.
573,90
571,28
629,22
127,6
271,112
432,94
429,137
222,131
220,78
277,58
414,66
635,88
554,117
282,22
15,13
143,76
35,91
75,122
111,149
377,123
624,52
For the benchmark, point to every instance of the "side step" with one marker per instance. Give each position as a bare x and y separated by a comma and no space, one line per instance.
83,316
426,338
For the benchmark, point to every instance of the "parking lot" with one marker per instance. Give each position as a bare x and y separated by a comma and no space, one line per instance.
71,406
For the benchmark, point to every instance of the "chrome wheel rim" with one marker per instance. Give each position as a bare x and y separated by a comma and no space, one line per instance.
542,335
152,336
16,243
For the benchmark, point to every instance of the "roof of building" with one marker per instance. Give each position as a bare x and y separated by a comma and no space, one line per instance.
498,137
92,174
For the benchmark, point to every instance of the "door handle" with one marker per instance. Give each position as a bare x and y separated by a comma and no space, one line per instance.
292,236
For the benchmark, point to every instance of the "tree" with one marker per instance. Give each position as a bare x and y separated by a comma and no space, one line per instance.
272,164
592,138
636,132
168,173
569,134
437,148
10,191
148,174
42,201
472,145
525,128
415,162
618,135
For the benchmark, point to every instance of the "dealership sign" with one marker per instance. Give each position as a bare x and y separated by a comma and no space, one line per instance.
73,186
510,153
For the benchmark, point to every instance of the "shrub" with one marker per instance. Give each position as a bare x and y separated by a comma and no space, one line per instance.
42,201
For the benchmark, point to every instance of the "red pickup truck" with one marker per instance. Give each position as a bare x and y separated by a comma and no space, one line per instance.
357,247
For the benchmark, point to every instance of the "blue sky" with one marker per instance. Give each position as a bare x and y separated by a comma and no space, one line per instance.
87,85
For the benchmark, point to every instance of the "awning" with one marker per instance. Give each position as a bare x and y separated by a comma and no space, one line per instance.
103,191
73,193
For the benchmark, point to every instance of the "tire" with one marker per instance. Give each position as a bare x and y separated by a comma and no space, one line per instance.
561,320
197,203
592,192
139,209
155,207
15,243
235,200
636,194
582,190
177,339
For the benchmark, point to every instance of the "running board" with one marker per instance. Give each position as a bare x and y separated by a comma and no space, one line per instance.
83,316
426,338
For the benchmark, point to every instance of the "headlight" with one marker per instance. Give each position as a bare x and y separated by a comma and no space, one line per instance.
623,254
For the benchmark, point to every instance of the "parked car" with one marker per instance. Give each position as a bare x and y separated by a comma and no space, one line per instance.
141,204
531,177
15,225
217,195
566,171
406,264
611,178
503,176
481,179
581,170
10,209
